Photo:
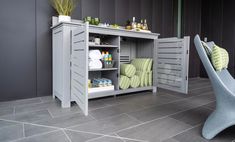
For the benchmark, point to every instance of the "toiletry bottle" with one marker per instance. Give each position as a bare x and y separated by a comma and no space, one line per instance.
142,24
145,25
110,59
103,54
106,56
133,23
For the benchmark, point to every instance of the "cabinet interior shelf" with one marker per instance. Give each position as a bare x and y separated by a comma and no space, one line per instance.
104,69
104,46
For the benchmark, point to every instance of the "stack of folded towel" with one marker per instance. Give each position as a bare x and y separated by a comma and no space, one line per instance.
94,59
128,77
144,70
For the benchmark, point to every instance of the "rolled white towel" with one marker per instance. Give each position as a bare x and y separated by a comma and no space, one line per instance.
95,64
95,54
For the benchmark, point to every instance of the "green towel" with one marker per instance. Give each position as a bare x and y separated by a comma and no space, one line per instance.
135,81
124,82
142,76
146,79
150,78
128,70
150,65
141,64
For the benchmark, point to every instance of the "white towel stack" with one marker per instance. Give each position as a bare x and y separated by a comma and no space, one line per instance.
94,59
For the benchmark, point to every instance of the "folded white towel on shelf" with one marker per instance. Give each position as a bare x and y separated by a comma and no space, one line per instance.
95,64
95,54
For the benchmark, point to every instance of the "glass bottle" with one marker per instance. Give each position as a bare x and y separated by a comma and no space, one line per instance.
133,23
145,25
141,24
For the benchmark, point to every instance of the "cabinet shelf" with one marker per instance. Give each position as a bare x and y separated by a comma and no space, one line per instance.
104,69
104,46
117,92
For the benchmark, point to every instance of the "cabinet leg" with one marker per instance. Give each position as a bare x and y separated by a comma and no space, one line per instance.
154,89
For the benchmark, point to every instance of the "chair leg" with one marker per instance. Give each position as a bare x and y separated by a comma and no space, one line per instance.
215,123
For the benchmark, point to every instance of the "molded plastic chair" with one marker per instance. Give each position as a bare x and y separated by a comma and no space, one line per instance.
224,89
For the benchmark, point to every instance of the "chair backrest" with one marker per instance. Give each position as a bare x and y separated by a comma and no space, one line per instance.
223,77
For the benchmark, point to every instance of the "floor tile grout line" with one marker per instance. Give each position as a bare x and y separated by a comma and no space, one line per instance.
119,137
168,94
95,120
208,108
192,127
50,113
100,134
30,124
133,117
66,135
85,132
9,126
125,138
181,122
155,119
207,93
92,116
90,140
25,112
16,140
25,105
101,107
152,106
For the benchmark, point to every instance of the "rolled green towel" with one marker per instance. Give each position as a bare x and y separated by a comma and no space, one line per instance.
142,76
124,82
150,75
150,65
128,70
135,81
141,64
146,79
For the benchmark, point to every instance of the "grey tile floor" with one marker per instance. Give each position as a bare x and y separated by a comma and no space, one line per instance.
140,117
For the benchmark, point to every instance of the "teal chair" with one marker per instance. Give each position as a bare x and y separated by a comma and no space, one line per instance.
224,89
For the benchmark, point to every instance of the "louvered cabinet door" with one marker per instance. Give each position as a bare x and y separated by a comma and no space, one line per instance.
172,58
79,67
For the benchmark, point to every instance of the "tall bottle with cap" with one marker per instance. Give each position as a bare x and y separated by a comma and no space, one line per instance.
145,26
133,24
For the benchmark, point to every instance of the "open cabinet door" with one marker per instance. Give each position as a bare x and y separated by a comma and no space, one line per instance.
79,67
172,64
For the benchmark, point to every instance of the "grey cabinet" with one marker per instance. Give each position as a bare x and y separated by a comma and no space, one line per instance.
70,61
